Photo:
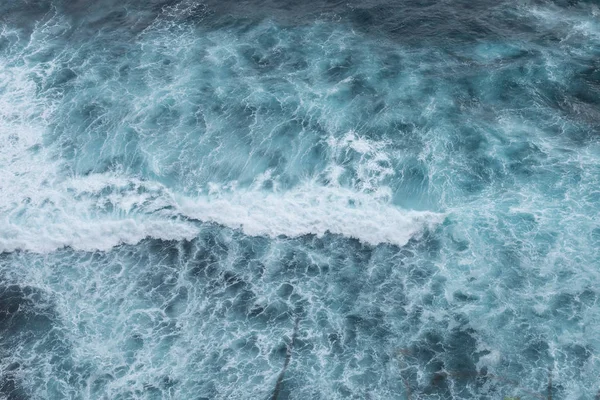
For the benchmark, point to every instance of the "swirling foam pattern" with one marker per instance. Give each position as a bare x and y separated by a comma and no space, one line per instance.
415,184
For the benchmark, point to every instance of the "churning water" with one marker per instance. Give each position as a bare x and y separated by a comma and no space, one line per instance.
319,200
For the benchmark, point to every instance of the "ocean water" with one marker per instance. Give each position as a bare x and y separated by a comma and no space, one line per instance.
299,200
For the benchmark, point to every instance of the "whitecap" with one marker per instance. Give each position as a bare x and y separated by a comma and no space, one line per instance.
312,209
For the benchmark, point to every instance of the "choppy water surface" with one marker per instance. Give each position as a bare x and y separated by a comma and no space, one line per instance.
416,185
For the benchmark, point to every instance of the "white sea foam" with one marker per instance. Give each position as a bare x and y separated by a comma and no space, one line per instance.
90,235
96,212
74,214
311,209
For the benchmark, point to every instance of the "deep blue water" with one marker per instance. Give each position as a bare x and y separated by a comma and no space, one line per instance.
299,200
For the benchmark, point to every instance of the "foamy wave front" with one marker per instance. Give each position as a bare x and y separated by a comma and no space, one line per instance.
91,235
100,212
312,209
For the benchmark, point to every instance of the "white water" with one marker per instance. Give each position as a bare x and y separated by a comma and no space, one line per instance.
311,209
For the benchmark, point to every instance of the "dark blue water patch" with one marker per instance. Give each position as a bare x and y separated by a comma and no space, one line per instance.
23,313
31,338
12,12
407,21
10,387
410,22
12,307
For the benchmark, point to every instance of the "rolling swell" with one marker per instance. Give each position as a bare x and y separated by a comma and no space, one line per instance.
416,182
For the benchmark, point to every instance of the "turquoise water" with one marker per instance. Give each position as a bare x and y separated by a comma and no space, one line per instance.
415,185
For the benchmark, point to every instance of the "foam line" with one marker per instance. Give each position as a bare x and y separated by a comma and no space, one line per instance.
312,209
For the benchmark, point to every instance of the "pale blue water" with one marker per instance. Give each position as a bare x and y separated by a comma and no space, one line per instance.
416,184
